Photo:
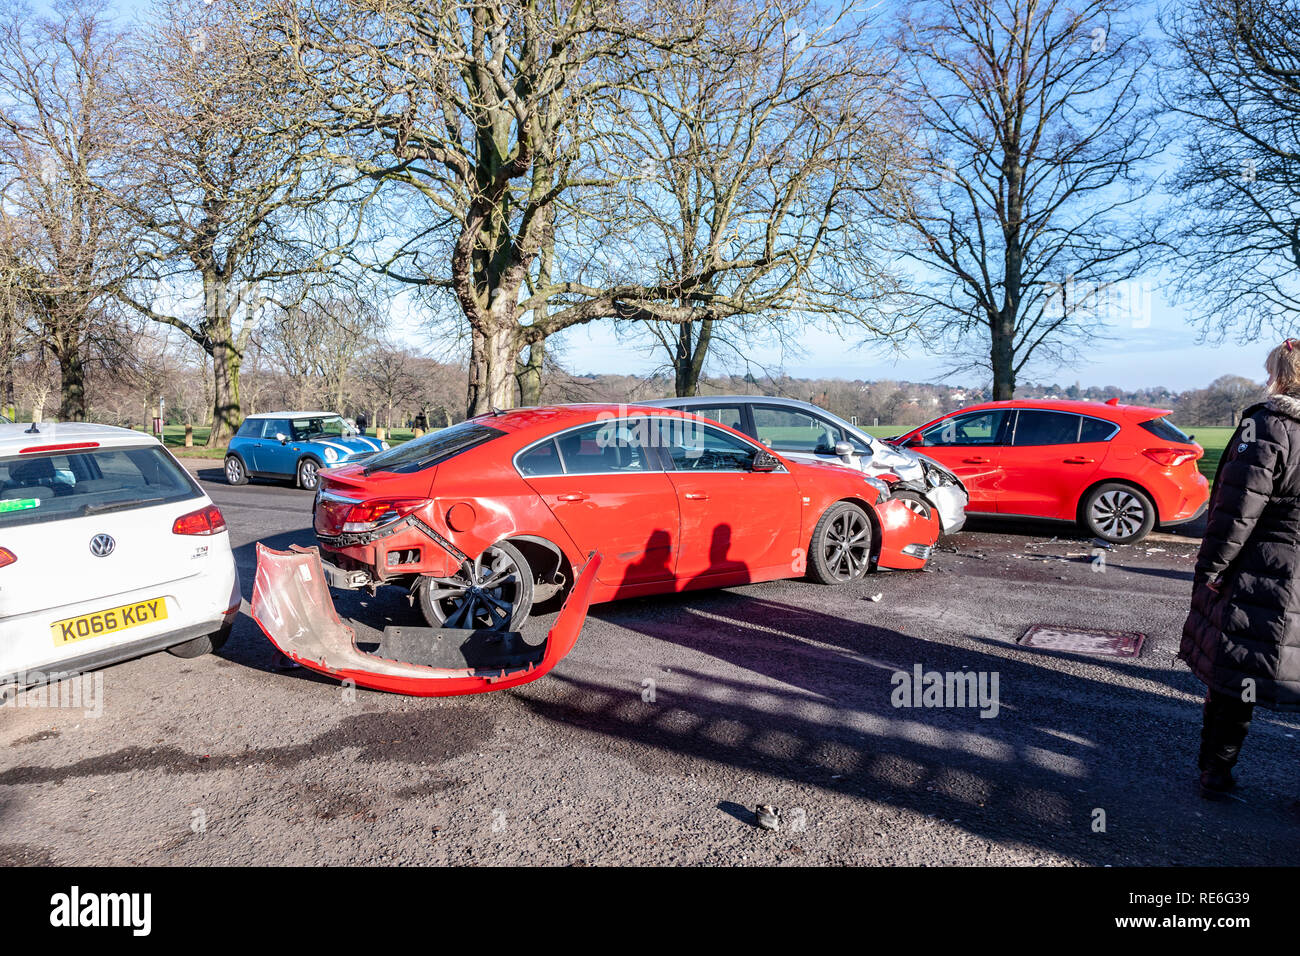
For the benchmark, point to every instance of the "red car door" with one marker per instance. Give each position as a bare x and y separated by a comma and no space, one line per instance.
736,524
1046,466
606,486
970,445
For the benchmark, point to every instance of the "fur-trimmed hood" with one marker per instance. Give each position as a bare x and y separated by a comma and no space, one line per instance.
1288,405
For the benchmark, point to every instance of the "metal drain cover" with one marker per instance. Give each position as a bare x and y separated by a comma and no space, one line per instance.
1081,640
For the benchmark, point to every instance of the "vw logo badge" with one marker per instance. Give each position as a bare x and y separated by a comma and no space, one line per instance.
102,545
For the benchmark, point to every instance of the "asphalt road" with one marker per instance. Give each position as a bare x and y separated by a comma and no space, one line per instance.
770,694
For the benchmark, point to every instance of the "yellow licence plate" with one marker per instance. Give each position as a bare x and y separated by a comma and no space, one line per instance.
107,622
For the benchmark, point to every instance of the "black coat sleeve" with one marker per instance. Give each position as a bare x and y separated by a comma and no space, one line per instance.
1244,486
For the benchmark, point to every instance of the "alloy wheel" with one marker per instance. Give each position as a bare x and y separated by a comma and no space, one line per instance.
486,600
847,545
1118,514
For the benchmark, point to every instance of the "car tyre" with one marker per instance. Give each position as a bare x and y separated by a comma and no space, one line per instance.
840,550
207,644
1118,513
443,600
308,474
236,473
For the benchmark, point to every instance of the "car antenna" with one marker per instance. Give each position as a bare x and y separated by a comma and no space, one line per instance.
33,430
496,412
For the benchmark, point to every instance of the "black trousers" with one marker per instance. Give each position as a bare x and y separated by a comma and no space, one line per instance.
1226,721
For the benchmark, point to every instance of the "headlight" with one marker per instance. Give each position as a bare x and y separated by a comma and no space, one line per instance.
331,454
384,445
881,488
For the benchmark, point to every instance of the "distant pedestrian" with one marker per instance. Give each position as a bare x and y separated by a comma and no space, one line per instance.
361,422
1242,637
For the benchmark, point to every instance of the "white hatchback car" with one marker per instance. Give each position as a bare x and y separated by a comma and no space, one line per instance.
108,550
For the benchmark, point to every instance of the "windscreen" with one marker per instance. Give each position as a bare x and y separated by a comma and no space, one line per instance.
47,487
430,449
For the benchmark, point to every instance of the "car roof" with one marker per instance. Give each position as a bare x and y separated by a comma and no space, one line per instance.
1116,412
732,399
295,415
18,436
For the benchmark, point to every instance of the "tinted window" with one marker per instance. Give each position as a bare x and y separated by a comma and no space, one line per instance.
973,428
275,426
617,445
252,428
1095,429
708,449
430,449
306,429
542,460
1166,430
787,429
1035,427
35,488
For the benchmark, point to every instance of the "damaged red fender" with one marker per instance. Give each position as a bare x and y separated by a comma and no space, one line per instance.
292,605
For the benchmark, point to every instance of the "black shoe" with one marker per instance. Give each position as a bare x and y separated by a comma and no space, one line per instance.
1216,784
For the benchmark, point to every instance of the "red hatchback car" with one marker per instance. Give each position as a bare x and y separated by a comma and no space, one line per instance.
1118,470
472,518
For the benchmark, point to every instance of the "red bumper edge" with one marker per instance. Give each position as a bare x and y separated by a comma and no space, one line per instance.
292,605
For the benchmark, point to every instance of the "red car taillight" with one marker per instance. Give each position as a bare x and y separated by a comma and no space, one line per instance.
204,521
6,557
1170,457
372,514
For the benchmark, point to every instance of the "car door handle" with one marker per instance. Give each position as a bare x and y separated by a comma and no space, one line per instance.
976,461
1079,460
696,496
579,496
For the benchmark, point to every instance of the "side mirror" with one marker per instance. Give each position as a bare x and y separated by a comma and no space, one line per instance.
282,438
764,462
844,450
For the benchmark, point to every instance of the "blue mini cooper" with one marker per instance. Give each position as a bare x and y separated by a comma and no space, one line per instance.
295,445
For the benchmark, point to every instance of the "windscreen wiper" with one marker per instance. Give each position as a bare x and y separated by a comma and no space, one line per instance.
94,509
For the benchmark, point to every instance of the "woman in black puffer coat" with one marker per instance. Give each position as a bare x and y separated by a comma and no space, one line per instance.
1242,637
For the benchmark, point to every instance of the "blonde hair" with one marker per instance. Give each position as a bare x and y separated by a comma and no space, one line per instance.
1283,367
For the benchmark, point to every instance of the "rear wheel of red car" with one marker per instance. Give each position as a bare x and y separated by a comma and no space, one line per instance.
1118,513
840,550
498,597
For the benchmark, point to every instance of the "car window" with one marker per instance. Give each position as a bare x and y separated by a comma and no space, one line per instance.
432,448
607,447
704,448
1166,430
541,460
730,415
973,428
1097,429
308,429
251,428
275,426
788,429
36,488
1038,427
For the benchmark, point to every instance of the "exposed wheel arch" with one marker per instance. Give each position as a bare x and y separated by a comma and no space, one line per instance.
544,557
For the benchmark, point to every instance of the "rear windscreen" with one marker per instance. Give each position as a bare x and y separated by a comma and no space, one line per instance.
1165,430
72,484
429,450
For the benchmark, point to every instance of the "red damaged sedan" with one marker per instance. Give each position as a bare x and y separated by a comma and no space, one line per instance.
474,519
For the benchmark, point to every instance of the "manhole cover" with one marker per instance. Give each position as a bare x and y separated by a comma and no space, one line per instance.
1079,640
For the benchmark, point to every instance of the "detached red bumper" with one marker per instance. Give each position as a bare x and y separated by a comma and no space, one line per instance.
906,537
292,605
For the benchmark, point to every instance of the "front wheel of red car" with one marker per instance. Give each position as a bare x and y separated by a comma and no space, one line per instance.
1118,513
498,597
840,550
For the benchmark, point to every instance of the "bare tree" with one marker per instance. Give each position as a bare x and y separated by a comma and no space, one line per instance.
60,241
1237,89
389,380
750,164
221,185
1036,126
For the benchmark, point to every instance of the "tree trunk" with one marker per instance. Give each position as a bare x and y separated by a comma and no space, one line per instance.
492,359
529,374
226,359
1002,358
72,385
688,362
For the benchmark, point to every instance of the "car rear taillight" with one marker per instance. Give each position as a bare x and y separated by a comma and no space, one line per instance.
204,521
1171,457
6,557
377,512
